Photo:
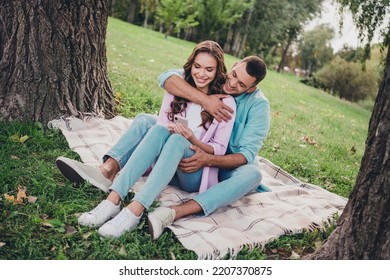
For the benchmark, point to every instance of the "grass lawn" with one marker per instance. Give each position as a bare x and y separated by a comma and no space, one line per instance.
314,136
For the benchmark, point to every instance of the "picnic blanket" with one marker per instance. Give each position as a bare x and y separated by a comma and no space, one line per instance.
259,217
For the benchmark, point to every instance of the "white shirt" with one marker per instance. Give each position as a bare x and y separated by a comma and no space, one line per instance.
194,119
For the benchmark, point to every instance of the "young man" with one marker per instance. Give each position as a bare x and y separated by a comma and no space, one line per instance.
239,172
238,169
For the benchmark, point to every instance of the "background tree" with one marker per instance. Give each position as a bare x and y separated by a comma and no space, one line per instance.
315,49
148,7
53,59
348,80
363,227
174,16
296,14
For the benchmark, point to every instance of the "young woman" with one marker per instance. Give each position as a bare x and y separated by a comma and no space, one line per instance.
166,144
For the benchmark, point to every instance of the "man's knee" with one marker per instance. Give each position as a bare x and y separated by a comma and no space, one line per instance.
252,173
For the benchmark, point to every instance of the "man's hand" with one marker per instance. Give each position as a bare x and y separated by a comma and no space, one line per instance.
194,163
218,109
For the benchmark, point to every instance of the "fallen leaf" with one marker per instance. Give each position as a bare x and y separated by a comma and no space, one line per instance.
44,216
2,244
54,223
276,114
88,234
21,196
122,251
295,256
69,230
15,137
18,138
14,157
45,224
32,199
317,243
9,198
23,139
173,257
309,140
292,118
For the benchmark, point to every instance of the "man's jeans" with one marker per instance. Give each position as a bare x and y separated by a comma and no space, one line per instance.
135,158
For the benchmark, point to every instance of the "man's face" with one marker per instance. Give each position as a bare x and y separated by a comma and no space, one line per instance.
238,80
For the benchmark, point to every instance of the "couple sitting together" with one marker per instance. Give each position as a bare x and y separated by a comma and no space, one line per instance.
215,155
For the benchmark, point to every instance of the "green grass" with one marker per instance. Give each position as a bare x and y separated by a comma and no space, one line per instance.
48,229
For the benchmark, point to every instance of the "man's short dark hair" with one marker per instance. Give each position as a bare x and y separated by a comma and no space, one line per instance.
255,67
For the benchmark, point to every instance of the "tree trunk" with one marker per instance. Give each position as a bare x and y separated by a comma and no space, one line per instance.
113,8
146,18
236,42
284,54
53,59
132,11
228,43
246,31
364,226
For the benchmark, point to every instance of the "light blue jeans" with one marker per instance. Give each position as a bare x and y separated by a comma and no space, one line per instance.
135,158
165,150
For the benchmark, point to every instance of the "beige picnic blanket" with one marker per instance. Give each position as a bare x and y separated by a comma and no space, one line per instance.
291,207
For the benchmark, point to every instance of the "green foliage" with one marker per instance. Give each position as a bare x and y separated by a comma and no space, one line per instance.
48,229
351,54
175,16
314,48
348,80
369,16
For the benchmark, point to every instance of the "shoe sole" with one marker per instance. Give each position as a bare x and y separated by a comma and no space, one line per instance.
76,175
68,172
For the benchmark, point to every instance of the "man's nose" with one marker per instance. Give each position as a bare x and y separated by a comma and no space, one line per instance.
233,82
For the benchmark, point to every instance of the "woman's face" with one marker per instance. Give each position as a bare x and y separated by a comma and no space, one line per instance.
203,71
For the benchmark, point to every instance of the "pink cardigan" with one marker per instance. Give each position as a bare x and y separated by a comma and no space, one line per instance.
217,136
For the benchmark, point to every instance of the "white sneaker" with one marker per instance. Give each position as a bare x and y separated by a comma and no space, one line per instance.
78,172
159,219
124,221
100,214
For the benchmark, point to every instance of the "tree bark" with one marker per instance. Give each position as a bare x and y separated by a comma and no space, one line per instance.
363,230
132,11
228,43
53,59
284,54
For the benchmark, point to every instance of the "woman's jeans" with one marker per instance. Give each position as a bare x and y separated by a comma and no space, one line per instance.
165,150
233,183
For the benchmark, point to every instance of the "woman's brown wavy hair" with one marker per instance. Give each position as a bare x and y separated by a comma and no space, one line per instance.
179,104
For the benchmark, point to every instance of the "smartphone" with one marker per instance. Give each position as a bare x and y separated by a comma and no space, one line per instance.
181,120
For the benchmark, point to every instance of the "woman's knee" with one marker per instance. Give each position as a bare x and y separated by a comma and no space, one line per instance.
145,119
177,141
159,130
